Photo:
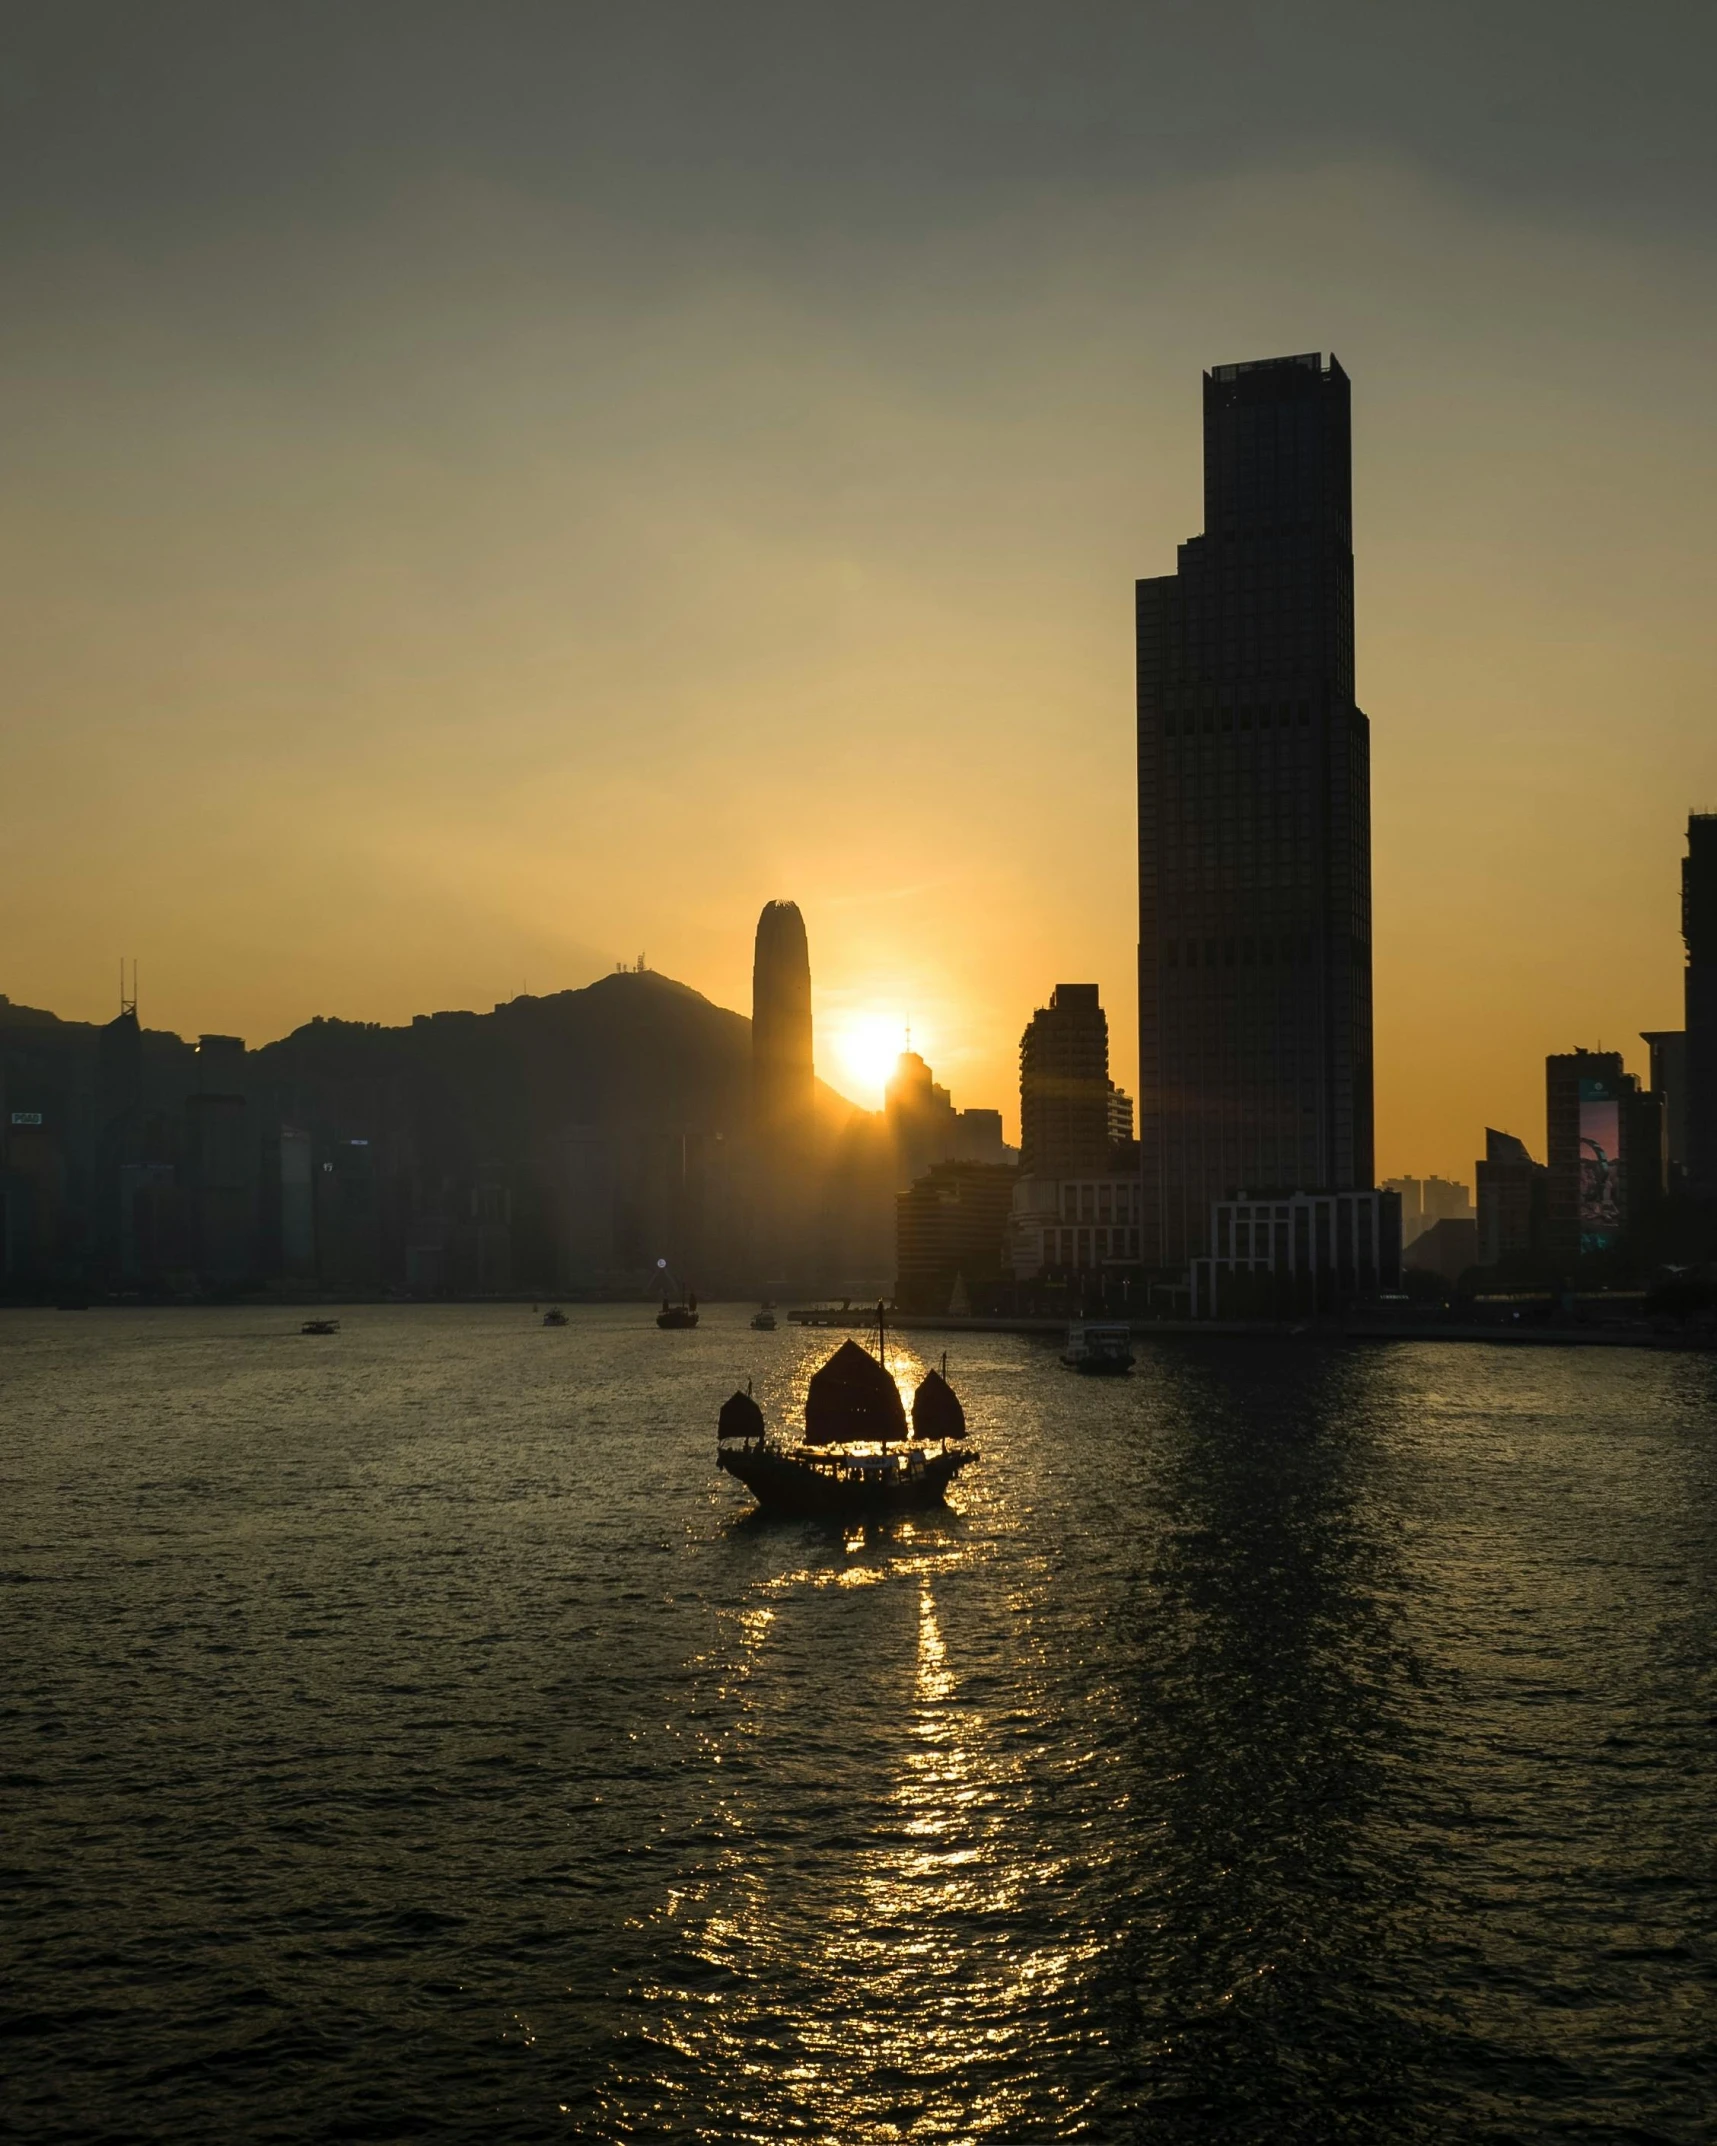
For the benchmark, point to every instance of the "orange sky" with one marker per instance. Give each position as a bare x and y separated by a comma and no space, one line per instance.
464,581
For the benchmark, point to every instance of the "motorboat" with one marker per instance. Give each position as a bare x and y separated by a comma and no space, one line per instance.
320,1326
1099,1348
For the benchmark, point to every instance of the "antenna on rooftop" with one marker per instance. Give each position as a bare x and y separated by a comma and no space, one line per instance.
127,1000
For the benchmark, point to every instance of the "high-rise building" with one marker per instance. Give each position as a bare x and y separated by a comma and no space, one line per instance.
782,1082
925,1128
1064,1091
920,1116
1699,930
1668,1047
1513,1214
1255,820
1605,1139
1076,1203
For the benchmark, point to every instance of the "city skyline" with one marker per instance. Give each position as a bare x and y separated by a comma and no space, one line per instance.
519,532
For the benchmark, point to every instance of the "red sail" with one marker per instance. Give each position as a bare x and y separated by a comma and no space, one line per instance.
936,1410
852,1397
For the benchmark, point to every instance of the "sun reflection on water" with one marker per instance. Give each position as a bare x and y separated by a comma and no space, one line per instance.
910,2001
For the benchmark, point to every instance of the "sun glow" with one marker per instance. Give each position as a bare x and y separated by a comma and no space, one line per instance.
865,1047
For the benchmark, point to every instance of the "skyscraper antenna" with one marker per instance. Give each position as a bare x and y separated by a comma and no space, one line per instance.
127,1000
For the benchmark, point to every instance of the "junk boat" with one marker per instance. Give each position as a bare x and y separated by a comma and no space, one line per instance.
320,1326
859,1457
1101,1349
680,1311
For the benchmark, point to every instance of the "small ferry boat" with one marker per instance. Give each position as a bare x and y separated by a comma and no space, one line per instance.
763,1319
1099,1348
320,1326
554,1316
858,1456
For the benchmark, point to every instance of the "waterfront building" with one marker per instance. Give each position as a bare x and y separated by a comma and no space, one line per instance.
1067,1226
1303,1253
951,1228
1513,1207
1699,933
1254,820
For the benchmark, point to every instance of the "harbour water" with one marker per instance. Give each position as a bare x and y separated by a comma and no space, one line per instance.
406,1734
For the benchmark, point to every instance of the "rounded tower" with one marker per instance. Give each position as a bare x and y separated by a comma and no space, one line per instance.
781,1076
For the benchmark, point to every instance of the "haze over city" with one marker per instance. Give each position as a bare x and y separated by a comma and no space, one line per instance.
491,493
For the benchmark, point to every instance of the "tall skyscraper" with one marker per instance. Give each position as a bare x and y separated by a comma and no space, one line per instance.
1255,820
1699,930
1064,1086
782,1090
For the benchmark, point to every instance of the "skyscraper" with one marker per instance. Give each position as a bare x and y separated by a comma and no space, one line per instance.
781,1077
1699,930
1255,820
1064,1086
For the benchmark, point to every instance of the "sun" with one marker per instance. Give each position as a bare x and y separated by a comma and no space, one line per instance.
866,1046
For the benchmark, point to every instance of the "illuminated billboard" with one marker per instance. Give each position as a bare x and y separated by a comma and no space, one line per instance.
1600,1165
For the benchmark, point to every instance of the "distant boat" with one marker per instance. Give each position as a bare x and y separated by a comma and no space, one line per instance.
320,1326
554,1316
858,1456
1100,1349
763,1319
679,1315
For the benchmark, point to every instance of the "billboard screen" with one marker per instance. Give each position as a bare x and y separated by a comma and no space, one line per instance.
1600,1164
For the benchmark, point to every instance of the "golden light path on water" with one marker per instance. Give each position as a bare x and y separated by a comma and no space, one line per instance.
418,1737
905,2005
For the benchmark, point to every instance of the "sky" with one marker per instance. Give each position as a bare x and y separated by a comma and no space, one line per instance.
489,492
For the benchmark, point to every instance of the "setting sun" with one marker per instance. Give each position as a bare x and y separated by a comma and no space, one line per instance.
865,1048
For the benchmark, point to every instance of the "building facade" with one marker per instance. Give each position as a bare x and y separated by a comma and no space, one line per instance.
1311,1252
1513,1209
1668,1047
951,1230
782,1081
925,1128
1255,820
1699,932
1069,1226
1064,1091
1604,1137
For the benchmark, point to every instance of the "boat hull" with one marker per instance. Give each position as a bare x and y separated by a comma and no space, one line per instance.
801,1490
1113,1367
